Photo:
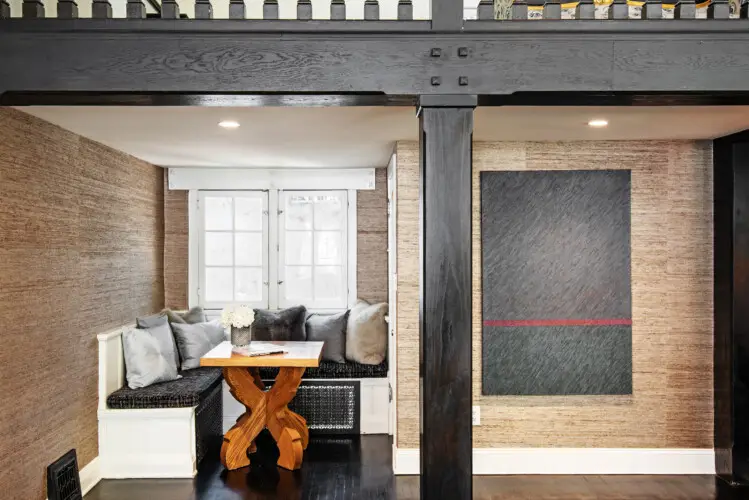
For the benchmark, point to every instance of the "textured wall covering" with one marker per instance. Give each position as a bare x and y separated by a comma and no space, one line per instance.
557,306
371,246
81,251
671,256
176,244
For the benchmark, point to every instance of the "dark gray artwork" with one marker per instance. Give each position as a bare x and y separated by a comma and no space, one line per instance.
557,303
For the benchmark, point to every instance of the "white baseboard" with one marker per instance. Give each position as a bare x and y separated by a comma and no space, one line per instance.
90,475
499,461
164,466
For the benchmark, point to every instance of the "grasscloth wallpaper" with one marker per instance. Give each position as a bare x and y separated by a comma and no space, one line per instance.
371,246
81,252
671,256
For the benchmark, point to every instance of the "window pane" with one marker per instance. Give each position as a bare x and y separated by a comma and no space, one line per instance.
298,284
249,282
328,282
217,213
328,249
328,212
299,247
218,284
248,214
218,249
298,212
248,249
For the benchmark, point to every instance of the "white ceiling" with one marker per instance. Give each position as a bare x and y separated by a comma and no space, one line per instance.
358,136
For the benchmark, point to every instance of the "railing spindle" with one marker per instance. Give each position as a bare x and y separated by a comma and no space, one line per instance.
236,9
371,10
619,10
718,9
485,10
405,10
304,10
101,9
67,9
585,9
136,9
203,9
519,10
652,10
270,9
338,10
685,9
744,11
169,9
552,9
4,9
32,9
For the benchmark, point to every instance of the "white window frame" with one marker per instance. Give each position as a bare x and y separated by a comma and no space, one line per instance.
272,258
202,195
326,305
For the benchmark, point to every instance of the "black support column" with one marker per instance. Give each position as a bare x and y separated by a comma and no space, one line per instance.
731,297
446,124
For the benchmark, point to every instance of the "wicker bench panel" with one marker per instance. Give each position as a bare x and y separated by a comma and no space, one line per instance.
194,386
332,370
208,418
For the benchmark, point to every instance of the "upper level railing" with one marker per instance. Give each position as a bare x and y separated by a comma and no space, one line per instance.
372,10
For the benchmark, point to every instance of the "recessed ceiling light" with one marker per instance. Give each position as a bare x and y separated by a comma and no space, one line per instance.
598,123
228,124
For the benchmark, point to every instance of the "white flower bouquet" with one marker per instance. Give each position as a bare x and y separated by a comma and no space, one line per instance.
239,318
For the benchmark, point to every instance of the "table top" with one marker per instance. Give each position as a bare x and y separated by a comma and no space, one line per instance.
299,354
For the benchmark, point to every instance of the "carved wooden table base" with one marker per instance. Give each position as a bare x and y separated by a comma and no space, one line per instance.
265,409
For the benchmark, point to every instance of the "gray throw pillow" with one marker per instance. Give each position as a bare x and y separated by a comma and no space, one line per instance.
194,341
194,315
332,331
367,333
160,321
281,326
145,361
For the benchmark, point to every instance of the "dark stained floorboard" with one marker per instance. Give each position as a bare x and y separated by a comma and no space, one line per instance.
360,468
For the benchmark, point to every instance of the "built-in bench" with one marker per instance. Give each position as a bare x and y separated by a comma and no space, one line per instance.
162,430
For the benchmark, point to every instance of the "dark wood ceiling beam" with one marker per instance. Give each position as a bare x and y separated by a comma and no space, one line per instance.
395,58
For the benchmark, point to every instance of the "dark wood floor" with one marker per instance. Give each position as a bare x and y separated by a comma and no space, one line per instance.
360,468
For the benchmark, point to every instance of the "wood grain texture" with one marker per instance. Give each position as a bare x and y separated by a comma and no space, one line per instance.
672,303
445,298
371,246
81,252
176,245
297,354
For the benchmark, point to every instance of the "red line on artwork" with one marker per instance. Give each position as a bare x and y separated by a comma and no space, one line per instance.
559,322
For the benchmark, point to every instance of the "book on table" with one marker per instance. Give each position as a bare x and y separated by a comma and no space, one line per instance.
258,350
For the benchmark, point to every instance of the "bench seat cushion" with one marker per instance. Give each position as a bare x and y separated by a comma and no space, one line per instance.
190,390
332,370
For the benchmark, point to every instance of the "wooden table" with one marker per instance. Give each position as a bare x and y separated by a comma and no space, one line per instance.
265,409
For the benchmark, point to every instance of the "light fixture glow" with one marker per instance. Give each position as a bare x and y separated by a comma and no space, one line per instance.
598,123
228,124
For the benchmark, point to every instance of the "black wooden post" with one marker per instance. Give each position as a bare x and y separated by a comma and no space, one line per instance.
304,10
270,9
236,9
485,10
169,9
101,9
32,9
4,9
67,9
136,9
371,10
405,10
731,294
685,9
203,9
447,15
338,10
445,296
585,10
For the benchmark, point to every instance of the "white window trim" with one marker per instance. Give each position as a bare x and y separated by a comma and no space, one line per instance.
195,237
201,246
260,179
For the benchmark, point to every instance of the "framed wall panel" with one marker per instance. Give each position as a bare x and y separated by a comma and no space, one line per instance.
557,302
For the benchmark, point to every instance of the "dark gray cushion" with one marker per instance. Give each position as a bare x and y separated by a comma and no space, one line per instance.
149,357
330,329
284,325
194,315
196,340
159,320
190,390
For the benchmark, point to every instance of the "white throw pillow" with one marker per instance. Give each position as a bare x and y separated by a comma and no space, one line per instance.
146,361
367,333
